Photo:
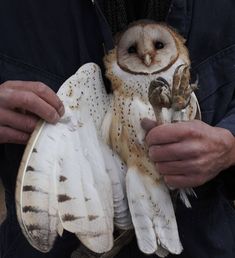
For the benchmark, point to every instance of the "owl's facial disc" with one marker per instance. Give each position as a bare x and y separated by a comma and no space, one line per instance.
146,49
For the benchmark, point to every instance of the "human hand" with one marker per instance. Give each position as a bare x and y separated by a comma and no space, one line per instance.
22,103
188,154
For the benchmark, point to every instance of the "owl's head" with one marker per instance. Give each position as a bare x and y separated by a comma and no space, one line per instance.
148,47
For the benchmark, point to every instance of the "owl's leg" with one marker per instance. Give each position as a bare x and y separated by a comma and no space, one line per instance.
181,88
159,95
182,108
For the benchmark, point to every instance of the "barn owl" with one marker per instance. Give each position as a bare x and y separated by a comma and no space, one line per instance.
91,170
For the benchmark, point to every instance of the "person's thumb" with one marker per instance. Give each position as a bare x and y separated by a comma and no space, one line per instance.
148,124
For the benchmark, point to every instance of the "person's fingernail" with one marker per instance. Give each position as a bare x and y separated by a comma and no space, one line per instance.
56,118
61,110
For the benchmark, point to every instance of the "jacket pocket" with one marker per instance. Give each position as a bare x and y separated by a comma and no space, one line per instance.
216,85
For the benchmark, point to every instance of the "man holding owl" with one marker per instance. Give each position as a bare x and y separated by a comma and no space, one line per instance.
42,44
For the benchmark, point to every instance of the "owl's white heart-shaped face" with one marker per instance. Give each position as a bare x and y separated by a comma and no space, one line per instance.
146,48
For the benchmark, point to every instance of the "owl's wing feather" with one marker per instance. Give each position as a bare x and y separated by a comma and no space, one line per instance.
35,198
116,170
85,206
63,179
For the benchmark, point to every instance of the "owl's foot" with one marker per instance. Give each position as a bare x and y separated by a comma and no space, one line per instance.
159,93
181,88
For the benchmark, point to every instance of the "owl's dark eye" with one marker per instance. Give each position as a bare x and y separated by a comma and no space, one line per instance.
159,45
132,49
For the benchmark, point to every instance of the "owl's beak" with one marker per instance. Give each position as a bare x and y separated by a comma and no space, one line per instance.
147,59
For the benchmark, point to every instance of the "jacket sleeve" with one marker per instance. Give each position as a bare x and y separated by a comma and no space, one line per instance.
228,122
1,154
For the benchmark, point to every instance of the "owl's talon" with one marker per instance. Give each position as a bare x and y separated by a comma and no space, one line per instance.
181,88
159,93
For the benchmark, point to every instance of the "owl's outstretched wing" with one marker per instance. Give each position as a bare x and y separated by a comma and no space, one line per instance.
63,181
